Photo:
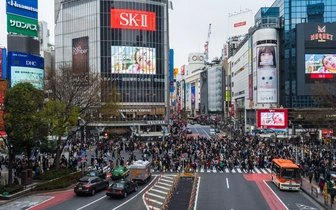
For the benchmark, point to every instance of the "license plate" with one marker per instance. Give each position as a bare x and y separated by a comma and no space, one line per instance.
79,188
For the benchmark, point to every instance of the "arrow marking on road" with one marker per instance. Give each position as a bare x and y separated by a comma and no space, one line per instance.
301,207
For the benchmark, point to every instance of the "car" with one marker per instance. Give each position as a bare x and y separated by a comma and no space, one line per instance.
202,123
192,123
119,172
217,130
94,172
89,185
121,188
212,132
189,131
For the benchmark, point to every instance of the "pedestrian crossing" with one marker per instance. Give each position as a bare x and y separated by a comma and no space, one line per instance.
156,195
226,170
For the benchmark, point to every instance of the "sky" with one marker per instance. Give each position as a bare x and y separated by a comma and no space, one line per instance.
188,21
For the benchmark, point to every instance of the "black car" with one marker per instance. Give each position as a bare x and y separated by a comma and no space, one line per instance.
121,188
189,131
90,185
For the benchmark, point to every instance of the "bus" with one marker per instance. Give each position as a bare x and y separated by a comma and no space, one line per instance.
285,174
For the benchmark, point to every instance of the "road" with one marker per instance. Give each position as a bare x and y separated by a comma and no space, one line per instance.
233,190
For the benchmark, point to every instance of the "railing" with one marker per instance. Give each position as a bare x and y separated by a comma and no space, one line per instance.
193,194
166,203
314,191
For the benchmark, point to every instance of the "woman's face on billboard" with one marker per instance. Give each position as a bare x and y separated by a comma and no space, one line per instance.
329,62
146,59
266,57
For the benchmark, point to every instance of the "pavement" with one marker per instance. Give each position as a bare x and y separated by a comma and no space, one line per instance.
311,189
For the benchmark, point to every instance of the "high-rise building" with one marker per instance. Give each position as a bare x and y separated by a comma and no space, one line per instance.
127,43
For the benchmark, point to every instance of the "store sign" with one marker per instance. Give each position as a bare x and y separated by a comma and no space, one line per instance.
321,35
22,25
133,19
134,110
243,23
156,122
25,8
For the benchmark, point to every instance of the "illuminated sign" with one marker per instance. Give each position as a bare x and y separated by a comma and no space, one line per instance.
321,35
320,66
133,19
272,118
133,60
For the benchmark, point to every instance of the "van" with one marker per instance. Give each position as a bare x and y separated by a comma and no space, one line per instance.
212,131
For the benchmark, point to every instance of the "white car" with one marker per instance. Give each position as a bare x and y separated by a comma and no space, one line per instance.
212,132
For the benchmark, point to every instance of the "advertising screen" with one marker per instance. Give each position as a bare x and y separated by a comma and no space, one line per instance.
133,60
192,94
267,74
26,68
22,25
80,55
272,118
133,19
3,65
25,8
320,66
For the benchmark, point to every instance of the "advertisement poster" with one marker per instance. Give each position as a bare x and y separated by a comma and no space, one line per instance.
133,60
80,55
192,94
273,118
320,63
22,25
266,74
24,67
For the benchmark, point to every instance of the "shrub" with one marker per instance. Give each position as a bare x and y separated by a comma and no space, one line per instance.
60,183
11,190
53,174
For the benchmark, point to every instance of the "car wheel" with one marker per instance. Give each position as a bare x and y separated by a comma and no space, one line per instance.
125,194
93,191
135,188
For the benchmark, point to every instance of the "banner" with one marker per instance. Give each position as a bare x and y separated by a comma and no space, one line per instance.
22,25
192,94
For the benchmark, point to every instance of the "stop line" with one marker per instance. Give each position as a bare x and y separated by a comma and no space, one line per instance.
226,170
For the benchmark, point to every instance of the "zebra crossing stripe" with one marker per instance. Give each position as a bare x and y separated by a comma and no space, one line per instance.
227,170
239,170
214,170
202,170
257,170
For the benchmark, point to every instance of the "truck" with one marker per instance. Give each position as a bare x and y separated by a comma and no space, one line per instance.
140,171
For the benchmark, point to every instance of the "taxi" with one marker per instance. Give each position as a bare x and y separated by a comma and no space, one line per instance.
119,172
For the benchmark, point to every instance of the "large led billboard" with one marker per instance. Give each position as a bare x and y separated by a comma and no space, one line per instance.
25,8
266,74
22,25
320,66
192,94
133,60
25,68
272,118
133,19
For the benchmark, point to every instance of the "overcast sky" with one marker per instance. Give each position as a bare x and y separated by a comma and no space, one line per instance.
189,22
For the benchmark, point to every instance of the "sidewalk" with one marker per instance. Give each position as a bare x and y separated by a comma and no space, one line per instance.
313,190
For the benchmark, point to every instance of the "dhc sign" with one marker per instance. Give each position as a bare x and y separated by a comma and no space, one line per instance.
25,8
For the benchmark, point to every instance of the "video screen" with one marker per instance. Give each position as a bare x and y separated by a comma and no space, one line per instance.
320,63
133,60
273,118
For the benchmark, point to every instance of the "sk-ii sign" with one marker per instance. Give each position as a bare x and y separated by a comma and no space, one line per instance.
25,8
133,19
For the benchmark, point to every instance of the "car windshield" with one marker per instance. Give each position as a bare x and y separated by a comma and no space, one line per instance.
290,173
118,185
92,173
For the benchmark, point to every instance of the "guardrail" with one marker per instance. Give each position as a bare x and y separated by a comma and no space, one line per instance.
193,194
165,205
314,191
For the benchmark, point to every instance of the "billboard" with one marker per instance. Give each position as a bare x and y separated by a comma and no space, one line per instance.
26,68
192,94
239,23
80,55
272,118
267,75
25,8
3,63
320,66
133,60
133,19
3,88
22,25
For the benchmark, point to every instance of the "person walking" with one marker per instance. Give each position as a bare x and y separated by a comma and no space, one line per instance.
310,175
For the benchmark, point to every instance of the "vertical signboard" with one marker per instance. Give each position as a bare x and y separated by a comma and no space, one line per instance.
80,55
3,63
250,70
3,88
192,94
1,60
267,75
171,70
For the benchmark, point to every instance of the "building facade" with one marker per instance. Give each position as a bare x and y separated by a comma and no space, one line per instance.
127,43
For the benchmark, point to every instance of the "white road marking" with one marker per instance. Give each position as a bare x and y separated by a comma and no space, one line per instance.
165,188
159,191
275,194
155,195
41,202
227,183
197,191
